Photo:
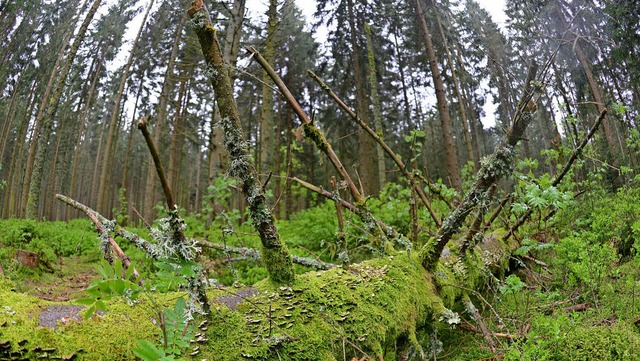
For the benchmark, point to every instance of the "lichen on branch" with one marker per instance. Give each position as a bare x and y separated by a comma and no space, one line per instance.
275,254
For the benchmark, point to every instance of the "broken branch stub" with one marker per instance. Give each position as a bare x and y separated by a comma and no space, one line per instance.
275,254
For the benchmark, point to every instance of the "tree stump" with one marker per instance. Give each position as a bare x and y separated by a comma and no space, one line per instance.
28,259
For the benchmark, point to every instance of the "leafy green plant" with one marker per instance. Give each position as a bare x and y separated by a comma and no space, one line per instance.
175,323
414,139
122,214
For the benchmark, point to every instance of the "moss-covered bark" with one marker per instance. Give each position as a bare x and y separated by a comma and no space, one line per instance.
276,256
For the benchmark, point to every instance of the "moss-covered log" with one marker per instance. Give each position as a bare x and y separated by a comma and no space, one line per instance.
361,311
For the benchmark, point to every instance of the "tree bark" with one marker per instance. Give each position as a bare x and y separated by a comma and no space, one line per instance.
377,111
451,159
267,118
366,157
36,129
456,87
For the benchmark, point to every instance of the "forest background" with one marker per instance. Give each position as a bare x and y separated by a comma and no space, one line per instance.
94,154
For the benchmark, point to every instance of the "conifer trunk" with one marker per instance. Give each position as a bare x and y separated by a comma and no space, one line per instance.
366,157
451,159
377,109
107,163
266,110
33,199
456,86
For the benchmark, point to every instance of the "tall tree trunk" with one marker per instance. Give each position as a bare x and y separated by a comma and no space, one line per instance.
36,129
9,118
377,111
167,84
403,80
127,160
11,192
175,148
233,36
277,167
456,87
33,200
115,114
83,121
367,163
266,111
451,160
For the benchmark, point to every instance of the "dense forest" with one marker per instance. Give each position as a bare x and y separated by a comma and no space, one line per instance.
362,156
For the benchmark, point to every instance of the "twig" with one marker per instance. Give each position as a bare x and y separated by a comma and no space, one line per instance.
325,194
478,318
497,212
255,255
146,224
579,307
471,328
382,229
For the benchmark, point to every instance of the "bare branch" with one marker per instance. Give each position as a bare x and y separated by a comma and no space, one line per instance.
401,166
311,131
98,221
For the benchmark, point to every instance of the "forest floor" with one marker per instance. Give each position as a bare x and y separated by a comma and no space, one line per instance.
572,291
68,281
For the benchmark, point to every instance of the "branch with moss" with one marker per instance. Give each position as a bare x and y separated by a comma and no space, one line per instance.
255,255
276,256
492,168
170,235
372,224
401,166
311,131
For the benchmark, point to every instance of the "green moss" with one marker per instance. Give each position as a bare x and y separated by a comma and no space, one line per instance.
602,343
110,336
369,305
278,263
314,134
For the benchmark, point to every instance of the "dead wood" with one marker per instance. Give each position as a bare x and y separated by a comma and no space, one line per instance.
275,253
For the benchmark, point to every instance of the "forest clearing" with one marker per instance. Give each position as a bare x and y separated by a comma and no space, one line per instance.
380,180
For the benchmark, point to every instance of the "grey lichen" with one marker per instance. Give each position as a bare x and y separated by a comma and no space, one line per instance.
168,244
